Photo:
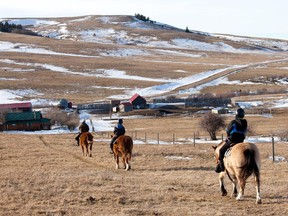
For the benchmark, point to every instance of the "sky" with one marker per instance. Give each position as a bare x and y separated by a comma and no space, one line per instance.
256,18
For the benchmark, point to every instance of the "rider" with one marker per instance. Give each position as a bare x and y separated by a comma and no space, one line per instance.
82,128
236,132
119,130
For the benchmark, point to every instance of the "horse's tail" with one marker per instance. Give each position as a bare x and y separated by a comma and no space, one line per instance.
250,165
128,143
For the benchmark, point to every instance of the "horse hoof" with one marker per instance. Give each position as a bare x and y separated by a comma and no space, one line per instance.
224,192
259,201
239,198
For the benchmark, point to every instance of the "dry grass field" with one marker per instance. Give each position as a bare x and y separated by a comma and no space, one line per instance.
47,174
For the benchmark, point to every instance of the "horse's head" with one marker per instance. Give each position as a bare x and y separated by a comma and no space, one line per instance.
216,150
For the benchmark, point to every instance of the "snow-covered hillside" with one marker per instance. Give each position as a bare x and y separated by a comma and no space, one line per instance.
113,29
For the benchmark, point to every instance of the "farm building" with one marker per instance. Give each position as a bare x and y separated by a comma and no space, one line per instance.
219,110
125,107
63,104
16,107
138,102
28,121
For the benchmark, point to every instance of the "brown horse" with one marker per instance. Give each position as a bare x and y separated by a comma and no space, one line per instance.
86,141
241,161
123,146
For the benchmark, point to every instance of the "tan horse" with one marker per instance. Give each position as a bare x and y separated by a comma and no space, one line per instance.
86,141
123,146
241,162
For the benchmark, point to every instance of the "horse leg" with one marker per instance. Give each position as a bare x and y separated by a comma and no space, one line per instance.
124,160
234,186
127,165
116,157
222,187
257,181
242,183
86,148
90,155
82,149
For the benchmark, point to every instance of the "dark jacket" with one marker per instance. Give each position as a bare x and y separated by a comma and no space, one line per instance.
236,130
119,130
83,127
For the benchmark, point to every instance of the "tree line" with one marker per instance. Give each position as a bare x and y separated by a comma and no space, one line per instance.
7,27
13,28
142,17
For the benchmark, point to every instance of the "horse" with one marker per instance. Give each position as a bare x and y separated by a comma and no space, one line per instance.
241,161
86,141
123,146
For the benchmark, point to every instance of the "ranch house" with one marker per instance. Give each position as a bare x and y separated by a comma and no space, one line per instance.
138,102
28,121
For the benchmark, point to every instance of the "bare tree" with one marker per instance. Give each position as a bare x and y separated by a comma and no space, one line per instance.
212,123
71,120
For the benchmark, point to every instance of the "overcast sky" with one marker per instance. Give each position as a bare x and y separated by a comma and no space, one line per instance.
259,18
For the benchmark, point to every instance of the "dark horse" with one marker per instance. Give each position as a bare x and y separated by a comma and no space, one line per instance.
86,141
242,161
123,146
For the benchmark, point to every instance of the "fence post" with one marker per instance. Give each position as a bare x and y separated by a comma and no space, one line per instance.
145,137
173,138
194,137
273,150
92,125
158,138
135,134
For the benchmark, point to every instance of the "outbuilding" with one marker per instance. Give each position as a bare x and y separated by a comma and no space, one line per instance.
125,107
220,110
138,102
16,107
28,121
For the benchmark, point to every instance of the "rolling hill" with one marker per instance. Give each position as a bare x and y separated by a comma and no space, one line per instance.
92,58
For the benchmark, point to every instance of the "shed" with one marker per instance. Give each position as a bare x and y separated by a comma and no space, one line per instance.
138,102
29,121
16,107
63,104
219,110
125,107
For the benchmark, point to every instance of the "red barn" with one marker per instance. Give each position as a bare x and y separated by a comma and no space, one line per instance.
16,107
138,102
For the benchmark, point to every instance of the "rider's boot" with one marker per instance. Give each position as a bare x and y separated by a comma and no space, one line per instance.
220,167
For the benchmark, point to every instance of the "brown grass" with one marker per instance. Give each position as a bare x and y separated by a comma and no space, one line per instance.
47,175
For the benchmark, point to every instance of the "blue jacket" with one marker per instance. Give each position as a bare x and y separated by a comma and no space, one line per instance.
119,130
236,130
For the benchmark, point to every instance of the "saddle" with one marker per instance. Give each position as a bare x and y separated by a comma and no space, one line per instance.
228,151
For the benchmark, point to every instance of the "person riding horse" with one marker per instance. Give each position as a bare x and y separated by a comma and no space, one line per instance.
236,132
82,128
119,130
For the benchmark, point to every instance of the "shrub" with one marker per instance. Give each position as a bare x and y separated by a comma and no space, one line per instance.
71,120
283,135
212,123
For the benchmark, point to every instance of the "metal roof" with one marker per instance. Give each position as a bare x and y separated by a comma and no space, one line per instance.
16,105
23,116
